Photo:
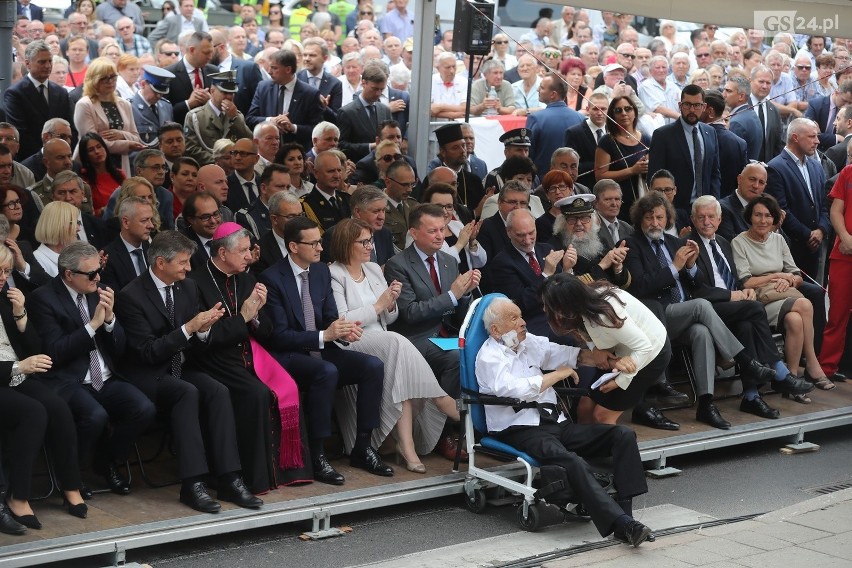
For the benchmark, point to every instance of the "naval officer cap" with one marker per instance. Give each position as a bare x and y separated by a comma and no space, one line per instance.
158,78
580,204
225,81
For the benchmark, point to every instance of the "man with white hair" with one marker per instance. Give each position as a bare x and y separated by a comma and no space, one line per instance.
481,101
129,40
265,136
657,93
325,136
449,89
680,69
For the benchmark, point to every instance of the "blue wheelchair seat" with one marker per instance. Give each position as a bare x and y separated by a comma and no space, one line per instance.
502,447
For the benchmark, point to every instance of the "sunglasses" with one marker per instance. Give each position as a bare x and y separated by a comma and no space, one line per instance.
500,42
625,110
803,67
552,54
365,13
90,275
388,158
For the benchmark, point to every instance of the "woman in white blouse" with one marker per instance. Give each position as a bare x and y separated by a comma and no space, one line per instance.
614,321
56,229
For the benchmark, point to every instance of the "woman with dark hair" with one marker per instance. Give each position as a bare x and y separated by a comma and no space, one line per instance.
168,8
614,321
622,153
13,199
765,264
98,170
292,155
574,71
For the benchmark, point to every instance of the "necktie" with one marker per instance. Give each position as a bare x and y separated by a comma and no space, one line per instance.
697,163
762,131
722,266
315,82
598,134
308,308
613,230
208,248
674,292
536,267
156,112
433,273
400,208
333,202
371,111
829,125
197,83
280,106
170,310
139,258
42,90
250,192
94,366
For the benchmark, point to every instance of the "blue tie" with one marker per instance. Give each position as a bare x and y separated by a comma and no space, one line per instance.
722,266
674,291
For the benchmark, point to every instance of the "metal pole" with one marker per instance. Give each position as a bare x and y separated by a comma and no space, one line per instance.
469,89
421,83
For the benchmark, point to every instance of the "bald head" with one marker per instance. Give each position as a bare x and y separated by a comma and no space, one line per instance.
443,174
212,178
57,156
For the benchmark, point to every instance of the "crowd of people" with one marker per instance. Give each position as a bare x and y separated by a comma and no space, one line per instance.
222,226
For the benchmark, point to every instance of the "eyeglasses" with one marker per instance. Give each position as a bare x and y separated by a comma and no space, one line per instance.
573,219
693,106
66,137
366,243
91,275
289,217
552,54
500,41
6,272
108,78
241,153
625,110
446,206
666,190
702,55
410,184
558,187
170,53
365,13
388,158
628,55
313,244
516,203
803,67
157,167
206,217
13,204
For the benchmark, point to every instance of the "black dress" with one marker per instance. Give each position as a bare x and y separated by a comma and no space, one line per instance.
622,157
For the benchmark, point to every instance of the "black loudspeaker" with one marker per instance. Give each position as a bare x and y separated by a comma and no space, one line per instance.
471,29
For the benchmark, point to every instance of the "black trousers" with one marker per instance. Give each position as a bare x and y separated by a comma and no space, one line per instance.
566,444
747,321
319,378
817,297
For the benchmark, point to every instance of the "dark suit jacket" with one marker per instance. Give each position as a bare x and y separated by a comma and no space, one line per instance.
305,110
774,141
547,130
705,282
669,150
325,213
180,88
24,344
38,277
200,256
27,111
745,124
401,116
255,218
270,253
357,132
493,236
733,222
512,275
382,246
650,280
120,269
36,165
625,230
330,86
836,153
475,166
733,158
237,193
581,139
95,230
248,77
36,13
64,338
818,111
421,309
367,172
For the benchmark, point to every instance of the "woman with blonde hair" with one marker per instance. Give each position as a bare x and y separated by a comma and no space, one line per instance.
129,70
700,77
55,230
101,111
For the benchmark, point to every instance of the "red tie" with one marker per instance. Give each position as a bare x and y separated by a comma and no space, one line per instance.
534,264
433,273
450,84
197,82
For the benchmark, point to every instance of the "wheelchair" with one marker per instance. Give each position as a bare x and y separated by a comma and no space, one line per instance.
546,498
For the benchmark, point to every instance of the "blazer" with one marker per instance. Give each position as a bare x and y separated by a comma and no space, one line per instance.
270,252
650,280
24,344
818,110
152,339
512,275
237,194
383,247
475,166
625,230
401,116
493,236
774,141
95,230
669,150
547,131
582,139
745,124
733,157
284,304
357,132
89,116
366,171
837,154
38,277
733,222
349,302
120,269
170,27
806,211
181,87
147,123
57,319
248,77
305,110
27,111
329,86
422,310
705,283
36,13
326,215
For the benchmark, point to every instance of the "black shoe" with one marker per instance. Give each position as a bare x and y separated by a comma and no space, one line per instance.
324,473
8,525
758,407
652,417
757,371
80,510
195,495
634,534
709,414
370,461
664,394
29,521
792,385
838,377
86,492
236,492
115,482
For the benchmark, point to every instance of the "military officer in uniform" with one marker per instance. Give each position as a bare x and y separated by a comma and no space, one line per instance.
150,110
219,118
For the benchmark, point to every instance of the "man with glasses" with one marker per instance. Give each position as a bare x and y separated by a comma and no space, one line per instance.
69,187
151,165
366,170
256,218
625,55
166,52
219,118
328,204
213,179
202,216
242,182
83,338
283,206
664,182
130,41
53,128
695,170
78,25
400,180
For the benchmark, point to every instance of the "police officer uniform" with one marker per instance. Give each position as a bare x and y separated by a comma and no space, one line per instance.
149,118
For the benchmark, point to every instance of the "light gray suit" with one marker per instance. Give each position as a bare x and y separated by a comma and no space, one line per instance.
624,231
171,26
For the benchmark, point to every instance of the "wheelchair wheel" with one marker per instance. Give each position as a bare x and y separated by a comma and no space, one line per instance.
476,502
533,520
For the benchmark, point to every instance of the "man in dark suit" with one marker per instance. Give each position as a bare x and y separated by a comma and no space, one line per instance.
359,120
806,222
583,137
243,186
842,127
492,233
191,86
248,72
750,184
79,331
30,10
733,155
718,282
69,187
327,204
283,208
127,254
824,111
366,170
165,331
79,25
433,299
767,112
34,100
399,103
256,216
547,127
368,204
304,340
743,122
202,215
314,56
53,128
689,150
294,106
608,205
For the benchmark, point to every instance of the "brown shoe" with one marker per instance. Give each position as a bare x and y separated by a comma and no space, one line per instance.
447,448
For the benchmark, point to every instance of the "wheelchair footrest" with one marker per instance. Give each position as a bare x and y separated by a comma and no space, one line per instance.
549,489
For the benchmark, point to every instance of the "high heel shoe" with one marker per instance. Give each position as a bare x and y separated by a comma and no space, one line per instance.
29,521
80,510
412,467
800,398
822,383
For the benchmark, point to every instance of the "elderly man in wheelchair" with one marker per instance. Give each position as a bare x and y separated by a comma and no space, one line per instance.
509,365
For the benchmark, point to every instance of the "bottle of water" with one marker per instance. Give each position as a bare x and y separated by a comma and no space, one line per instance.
492,95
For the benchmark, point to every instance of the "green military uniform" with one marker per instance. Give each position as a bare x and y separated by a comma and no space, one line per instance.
397,221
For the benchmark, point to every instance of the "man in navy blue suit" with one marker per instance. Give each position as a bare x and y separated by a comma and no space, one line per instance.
547,127
823,111
733,155
689,150
294,106
248,72
191,86
802,198
751,183
307,331
743,122
314,56
30,10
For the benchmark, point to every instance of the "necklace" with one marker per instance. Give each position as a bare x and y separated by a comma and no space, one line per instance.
225,301
360,277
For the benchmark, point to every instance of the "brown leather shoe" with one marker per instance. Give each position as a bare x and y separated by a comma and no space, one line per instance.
447,448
